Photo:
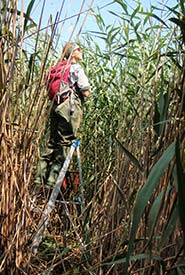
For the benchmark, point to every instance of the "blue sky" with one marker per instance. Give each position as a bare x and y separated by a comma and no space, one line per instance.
72,7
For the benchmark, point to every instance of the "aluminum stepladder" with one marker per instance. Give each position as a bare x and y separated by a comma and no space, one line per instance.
53,198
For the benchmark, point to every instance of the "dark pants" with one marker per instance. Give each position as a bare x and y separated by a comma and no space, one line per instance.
63,130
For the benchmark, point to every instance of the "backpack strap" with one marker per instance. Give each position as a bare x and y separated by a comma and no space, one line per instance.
65,92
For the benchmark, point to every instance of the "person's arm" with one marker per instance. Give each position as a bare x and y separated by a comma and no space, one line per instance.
83,82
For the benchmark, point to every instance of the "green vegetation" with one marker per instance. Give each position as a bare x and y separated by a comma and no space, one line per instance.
132,146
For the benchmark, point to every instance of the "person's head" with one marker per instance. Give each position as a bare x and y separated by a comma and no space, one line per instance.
72,51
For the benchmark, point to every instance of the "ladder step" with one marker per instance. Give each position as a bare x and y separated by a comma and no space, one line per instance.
68,202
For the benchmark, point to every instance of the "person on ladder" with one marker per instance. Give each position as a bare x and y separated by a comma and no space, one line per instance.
66,111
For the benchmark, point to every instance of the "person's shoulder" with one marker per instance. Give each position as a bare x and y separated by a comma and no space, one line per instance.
76,67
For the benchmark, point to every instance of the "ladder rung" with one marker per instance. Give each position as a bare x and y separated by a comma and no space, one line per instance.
68,202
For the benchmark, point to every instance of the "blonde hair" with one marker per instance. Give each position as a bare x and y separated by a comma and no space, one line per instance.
68,48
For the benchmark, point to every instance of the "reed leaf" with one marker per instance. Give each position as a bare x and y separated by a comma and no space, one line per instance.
181,270
130,156
135,12
134,258
159,19
27,15
182,5
122,4
181,186
180,23
146,192
170,226
161,109
154,212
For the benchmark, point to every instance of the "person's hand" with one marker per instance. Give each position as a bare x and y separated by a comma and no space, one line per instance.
86,93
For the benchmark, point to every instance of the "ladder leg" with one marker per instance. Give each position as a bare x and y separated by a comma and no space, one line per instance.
81,197
51,203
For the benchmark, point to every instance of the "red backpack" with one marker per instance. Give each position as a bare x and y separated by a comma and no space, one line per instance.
57,74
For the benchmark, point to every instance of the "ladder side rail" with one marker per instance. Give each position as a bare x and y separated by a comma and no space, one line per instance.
51,203
81,179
